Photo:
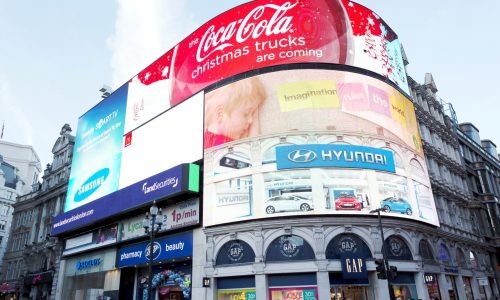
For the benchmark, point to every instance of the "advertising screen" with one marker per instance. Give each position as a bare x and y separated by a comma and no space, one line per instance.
308,142
261,34
95,169
171,138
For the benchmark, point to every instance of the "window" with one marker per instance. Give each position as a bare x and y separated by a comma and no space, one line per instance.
3,223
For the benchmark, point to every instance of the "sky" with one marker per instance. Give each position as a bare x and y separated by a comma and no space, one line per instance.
56,55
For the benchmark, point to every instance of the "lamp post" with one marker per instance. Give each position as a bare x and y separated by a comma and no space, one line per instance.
384,251
151,227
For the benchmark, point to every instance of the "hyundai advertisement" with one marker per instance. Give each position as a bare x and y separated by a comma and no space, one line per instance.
312,142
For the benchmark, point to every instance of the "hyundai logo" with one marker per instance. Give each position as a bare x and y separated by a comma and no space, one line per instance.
302,156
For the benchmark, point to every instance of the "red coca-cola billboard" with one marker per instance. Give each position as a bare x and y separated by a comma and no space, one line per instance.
262,34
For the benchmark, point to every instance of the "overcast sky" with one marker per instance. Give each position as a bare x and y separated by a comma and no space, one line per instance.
56,55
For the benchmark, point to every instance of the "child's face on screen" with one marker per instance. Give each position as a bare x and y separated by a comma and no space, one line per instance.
238,122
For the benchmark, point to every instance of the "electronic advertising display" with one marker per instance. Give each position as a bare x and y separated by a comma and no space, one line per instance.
95,168
149,92
312,142
261,34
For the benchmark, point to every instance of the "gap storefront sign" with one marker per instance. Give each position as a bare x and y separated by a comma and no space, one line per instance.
182,178
164,249
339,156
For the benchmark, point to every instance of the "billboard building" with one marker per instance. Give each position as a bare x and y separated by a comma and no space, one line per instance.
267,136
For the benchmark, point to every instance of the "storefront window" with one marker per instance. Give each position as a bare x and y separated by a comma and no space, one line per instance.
165,285
425,251
468,288
293,286
404,286
91,275
236,288
451,286
343,244
432,286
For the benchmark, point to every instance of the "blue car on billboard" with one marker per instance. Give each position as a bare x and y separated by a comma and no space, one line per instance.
399,205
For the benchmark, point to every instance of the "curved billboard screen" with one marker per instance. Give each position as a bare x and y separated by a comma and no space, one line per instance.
308,142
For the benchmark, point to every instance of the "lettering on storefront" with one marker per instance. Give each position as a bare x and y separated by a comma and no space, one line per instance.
85,264
353,267
288,248
430,278
235,252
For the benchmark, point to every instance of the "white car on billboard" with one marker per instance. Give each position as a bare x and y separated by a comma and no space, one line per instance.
289,202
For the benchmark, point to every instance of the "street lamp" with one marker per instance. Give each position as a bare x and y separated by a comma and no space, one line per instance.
151,227
384,252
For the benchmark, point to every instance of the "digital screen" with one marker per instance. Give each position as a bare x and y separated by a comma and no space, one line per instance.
312,142
95,168
258,34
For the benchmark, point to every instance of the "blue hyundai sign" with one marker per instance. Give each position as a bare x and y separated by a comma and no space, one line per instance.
166,248
161,185
337,156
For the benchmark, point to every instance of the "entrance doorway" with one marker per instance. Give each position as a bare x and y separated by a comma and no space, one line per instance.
350,292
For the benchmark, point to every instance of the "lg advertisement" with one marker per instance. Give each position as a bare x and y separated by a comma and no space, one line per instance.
312,142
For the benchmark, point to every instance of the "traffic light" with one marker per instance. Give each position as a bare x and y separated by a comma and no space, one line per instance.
392,273
380,268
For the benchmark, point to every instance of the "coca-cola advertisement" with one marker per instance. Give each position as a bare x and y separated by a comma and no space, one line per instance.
262,34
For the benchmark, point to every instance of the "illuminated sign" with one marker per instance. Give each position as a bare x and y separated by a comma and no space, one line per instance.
90,263
353,267
322,142
182,178
165,248
341,156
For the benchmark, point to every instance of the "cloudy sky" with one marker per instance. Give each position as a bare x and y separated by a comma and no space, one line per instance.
56,55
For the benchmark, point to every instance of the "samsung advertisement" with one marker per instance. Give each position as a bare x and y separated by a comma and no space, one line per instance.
312,142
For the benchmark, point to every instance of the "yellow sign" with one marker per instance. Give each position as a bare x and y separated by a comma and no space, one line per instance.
308,94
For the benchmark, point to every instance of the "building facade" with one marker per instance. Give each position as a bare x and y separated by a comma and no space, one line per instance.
304,140
19,169
32,256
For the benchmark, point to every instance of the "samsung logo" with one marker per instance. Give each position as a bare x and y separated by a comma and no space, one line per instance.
91,185
302,156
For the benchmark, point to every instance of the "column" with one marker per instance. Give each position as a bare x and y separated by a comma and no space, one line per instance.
422,291
380,287
475,288
460,287
261,289
443,287
323,282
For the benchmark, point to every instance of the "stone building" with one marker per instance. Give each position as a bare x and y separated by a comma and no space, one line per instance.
19,169
32,256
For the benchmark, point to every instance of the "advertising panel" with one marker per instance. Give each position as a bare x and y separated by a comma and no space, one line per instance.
95,169
182,178
176,216
97,238
149,92
307,142
182,125
166,248
261,34
241,294
304,293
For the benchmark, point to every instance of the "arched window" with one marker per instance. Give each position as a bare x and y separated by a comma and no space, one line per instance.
289,248
397,249
472,260
444,254
343,244
235,252
425,251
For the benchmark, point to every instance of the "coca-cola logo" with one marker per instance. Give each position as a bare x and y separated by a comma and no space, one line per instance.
253,25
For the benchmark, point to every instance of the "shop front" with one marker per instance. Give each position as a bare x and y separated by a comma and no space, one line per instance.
9,290
39,285
403,285
431,281
171,274
91,276
236,253
352,282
